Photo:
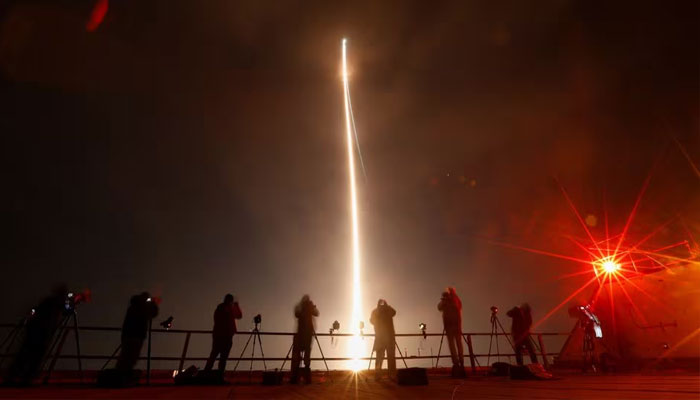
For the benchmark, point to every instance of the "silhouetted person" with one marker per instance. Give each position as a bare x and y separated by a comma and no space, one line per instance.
451,307
39,332
142,309
225,317
384,336
520,329
305,312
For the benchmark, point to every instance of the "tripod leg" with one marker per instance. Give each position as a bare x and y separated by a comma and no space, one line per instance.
252,356
504,333
9,340
401,354
57,335
243,352
369,364
512,345
286,357
148,359
324,357
59,349
261,351
440,348
76,333
11,336
498,350
112,356
488,357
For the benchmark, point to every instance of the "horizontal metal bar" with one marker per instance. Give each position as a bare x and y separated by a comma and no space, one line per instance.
321,334
162,358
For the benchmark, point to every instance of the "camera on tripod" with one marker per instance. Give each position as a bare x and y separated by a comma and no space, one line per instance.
334,327
422,326
589,321
168,323
73,299
257,319
494,310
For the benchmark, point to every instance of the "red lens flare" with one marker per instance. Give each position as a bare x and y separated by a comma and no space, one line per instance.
618,258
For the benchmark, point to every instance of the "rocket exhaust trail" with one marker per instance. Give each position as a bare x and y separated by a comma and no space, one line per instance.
356,345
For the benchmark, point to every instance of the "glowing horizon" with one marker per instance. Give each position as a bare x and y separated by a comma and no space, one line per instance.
355,344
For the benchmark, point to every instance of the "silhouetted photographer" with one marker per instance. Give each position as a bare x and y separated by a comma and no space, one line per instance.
520,329
384,337
225,317
142,309
451,307
305,312
40,330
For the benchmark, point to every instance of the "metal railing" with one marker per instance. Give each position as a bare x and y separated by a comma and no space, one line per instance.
56,354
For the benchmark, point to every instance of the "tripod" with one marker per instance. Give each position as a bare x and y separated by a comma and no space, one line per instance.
58,342
255,335
495,324
442,338
374,351
328,371
10,339
119,347
148,355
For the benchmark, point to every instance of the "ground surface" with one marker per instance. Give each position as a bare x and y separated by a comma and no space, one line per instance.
345,385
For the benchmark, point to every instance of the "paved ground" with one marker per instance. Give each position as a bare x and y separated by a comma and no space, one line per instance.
347,386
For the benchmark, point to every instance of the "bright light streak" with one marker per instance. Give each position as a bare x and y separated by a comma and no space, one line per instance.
356,345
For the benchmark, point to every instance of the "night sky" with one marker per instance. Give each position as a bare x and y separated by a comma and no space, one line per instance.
195,148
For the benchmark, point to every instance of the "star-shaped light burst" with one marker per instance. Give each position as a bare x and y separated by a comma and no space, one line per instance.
618,258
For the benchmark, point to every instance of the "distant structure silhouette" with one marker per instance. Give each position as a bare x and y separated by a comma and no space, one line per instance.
384,337
40,330
451,307
225,317
520,329
305,312
142,309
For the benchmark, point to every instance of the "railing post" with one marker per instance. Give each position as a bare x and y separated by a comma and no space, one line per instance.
184,351
471,353
543,351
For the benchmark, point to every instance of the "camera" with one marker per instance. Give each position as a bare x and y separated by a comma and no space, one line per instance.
494,310
168,323
73,299
588,319
257,319
422,326
336,325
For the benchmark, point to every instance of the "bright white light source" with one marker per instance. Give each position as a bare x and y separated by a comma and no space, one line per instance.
356,345
610,266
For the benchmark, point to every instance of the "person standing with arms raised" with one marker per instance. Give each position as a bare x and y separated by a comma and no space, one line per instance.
384,337
225,317
305,312
451,307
